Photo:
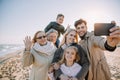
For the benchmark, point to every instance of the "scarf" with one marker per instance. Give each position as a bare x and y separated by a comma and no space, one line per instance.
46,49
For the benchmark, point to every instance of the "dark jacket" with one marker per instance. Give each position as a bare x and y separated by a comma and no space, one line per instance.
55,26
84,62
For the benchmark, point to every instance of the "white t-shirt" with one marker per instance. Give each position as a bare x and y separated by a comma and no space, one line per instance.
71,71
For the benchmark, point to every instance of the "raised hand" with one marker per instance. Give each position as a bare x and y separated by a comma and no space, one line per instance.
68,26
114,37
27,43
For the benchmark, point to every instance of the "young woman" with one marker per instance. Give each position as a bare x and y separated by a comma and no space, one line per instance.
39,55
70,39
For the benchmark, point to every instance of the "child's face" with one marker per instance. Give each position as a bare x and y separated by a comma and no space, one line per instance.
70,55
60,20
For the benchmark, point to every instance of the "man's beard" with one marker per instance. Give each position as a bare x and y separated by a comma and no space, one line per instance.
83,37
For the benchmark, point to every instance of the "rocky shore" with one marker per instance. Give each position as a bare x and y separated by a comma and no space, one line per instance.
11,66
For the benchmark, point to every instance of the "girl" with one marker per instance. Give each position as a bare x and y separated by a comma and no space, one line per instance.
69,67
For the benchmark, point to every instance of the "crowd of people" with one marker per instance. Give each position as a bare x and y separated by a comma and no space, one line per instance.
69,59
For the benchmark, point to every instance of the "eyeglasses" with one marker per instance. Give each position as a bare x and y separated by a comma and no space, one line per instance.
41,37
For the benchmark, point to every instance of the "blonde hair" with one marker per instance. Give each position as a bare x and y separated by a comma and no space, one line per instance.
65,34
63,57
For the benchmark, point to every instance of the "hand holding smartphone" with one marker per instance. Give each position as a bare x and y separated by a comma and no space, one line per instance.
101,29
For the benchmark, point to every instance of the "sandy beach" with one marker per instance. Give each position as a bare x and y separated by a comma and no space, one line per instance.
113,59
11,66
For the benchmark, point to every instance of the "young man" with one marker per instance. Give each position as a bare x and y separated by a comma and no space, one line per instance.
57,25
95,46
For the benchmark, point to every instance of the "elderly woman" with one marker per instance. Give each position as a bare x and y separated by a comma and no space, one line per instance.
70,39
52,36
39,55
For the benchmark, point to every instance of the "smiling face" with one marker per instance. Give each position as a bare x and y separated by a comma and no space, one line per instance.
81,29
60,19
52,37
70,55
41,38
71,37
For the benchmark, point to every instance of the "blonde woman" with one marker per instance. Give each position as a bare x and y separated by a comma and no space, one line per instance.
39,55
70,39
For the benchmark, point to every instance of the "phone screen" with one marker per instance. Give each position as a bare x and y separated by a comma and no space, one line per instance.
102,29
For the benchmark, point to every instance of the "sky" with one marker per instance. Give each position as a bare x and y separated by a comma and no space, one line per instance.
19,18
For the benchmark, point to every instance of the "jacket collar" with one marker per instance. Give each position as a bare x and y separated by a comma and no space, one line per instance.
88,34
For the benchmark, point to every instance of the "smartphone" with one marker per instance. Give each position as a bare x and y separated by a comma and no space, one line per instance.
102,29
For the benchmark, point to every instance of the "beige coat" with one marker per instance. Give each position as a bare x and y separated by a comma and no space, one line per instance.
99,69
40,63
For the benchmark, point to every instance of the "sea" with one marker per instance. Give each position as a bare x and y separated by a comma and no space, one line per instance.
9,48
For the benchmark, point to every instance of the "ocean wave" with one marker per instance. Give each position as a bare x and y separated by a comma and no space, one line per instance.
8,48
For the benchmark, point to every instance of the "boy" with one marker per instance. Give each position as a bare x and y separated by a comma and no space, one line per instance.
57,25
